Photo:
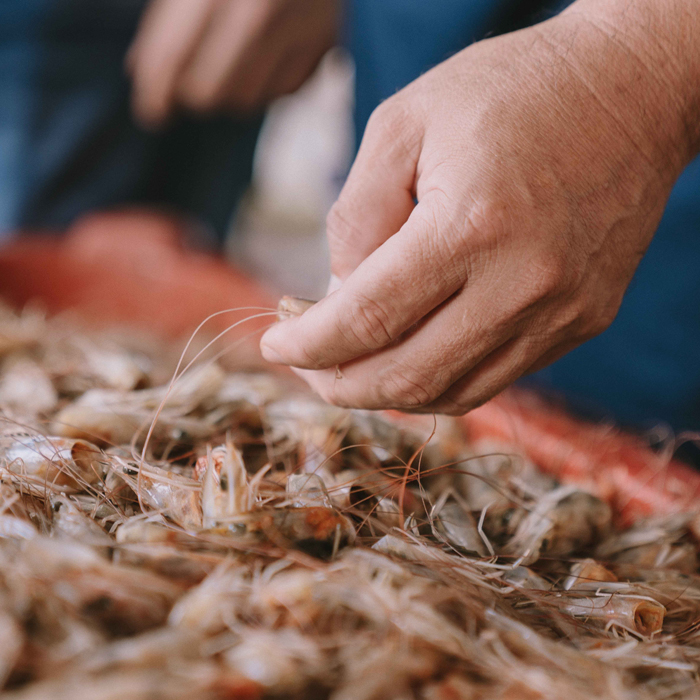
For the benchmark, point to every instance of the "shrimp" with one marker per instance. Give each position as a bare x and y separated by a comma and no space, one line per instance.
282,661
102,365
180,556
211,607
202,680
292,306
588,574
26,387
309,425
254,388
642,616
152,649
13,527
454,523
115,417
70,522
654,543
175,496
523,577
317,530
307,490
219,562
15,519
561,523
20,332
119,598
225,489
618,468
51,462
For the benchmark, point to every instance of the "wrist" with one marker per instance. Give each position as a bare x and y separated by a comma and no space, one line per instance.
651,54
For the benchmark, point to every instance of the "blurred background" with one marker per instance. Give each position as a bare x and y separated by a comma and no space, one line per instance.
302,157
226,123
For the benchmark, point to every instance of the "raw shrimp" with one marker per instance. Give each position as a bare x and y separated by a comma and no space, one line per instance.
26,387
455,523
116,417
263,544
282,661
70,522
225,489
588,574
51,462
175,496
120,598
562,522
292,306
643,616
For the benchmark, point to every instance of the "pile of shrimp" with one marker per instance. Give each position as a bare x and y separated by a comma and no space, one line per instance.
228,536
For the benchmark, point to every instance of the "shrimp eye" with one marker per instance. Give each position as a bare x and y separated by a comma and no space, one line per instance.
224,482
545,544
129,471
56,507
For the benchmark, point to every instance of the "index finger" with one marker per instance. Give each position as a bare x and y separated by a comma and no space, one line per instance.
397,285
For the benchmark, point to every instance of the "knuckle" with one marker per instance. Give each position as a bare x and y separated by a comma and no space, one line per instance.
371,324
392,131
488,223
547,280
385,117
403,388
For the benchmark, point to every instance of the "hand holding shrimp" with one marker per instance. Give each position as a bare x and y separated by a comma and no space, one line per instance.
540,177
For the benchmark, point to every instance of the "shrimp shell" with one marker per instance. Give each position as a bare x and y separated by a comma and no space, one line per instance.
588,574
316,530
292,306
645,617
27,387
52,461
175,496
562,522
225,490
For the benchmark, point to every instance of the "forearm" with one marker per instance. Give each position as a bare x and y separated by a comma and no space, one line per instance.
652,57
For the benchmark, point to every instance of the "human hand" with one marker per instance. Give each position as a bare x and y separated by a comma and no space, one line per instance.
541,162
236,55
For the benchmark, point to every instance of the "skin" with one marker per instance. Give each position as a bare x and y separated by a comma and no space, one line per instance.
541,162
225,55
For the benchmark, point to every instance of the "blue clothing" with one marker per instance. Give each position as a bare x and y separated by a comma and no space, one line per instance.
645,368
68,142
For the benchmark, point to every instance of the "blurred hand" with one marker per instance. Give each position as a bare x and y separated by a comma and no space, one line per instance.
236,55
541,162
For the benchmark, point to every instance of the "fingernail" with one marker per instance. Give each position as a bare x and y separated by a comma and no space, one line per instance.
334,284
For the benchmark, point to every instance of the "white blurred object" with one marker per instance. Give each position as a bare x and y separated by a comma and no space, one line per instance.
305,144
301,160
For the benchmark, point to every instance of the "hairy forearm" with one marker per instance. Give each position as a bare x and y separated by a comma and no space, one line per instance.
652,52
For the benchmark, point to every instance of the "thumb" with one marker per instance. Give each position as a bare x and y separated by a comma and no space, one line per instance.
377,197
